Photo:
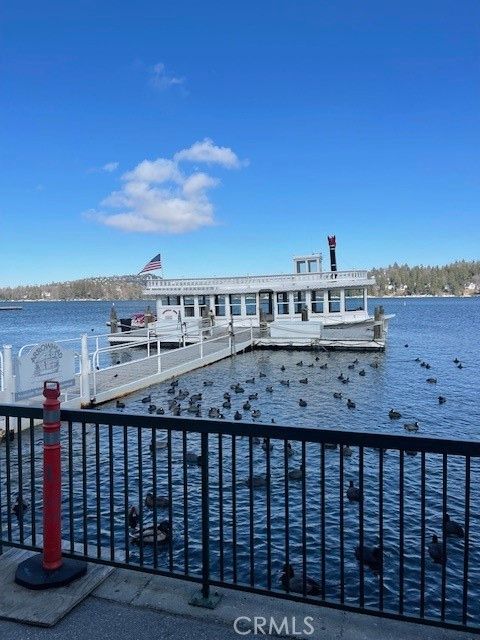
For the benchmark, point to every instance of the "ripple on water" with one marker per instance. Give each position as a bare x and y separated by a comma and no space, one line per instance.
437,331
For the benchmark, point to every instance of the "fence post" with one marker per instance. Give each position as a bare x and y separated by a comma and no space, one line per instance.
232,337
159,359
204,598
47,570
148,342
84,372
201,344
8,377
94,383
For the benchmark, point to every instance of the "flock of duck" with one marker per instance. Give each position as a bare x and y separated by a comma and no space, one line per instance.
372,555
393,414
183,402
193,407
291,579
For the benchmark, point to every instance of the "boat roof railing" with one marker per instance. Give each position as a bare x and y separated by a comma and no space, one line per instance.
321,275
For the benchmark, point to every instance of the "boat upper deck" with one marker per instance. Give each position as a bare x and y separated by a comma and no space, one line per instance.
245,284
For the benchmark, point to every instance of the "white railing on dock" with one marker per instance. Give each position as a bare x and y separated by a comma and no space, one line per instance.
96,337
154,338
171,332
119,379
116,350
99,368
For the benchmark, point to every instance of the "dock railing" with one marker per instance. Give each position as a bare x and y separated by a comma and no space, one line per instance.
100,369
128,373
233,504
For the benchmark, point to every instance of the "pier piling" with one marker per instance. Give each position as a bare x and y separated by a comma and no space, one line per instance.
113,320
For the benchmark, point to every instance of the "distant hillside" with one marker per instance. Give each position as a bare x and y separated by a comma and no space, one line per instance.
458,278
99,288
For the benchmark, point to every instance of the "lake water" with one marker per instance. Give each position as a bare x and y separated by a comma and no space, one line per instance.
436,331
39,321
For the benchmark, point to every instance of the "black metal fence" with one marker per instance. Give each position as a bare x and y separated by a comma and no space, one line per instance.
337,518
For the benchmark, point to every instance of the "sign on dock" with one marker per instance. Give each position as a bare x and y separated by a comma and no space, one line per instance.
45,361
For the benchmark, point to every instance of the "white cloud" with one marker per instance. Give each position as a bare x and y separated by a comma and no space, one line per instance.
110,167
161,80
198,182
160,170
207,151
156,196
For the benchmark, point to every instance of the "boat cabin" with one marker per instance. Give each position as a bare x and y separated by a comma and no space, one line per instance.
333,297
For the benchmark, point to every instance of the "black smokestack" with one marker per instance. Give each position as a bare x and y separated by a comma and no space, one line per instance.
332,243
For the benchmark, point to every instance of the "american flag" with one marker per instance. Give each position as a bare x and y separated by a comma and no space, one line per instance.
153,264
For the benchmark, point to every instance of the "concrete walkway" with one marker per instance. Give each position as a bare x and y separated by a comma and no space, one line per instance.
139,606
97,619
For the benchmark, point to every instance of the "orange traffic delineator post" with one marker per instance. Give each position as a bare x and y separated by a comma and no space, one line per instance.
47,570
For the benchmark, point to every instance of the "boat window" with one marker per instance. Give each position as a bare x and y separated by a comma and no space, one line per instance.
312,266
204,305
189,306
266,302
299,299
317,301
301,266
168,301
354,300
251,304
334,301
220,305
282,303
235,304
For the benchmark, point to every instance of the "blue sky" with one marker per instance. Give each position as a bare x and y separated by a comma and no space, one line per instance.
265,126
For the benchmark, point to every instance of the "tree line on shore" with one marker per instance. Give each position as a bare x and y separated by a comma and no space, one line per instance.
457,278
100,288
